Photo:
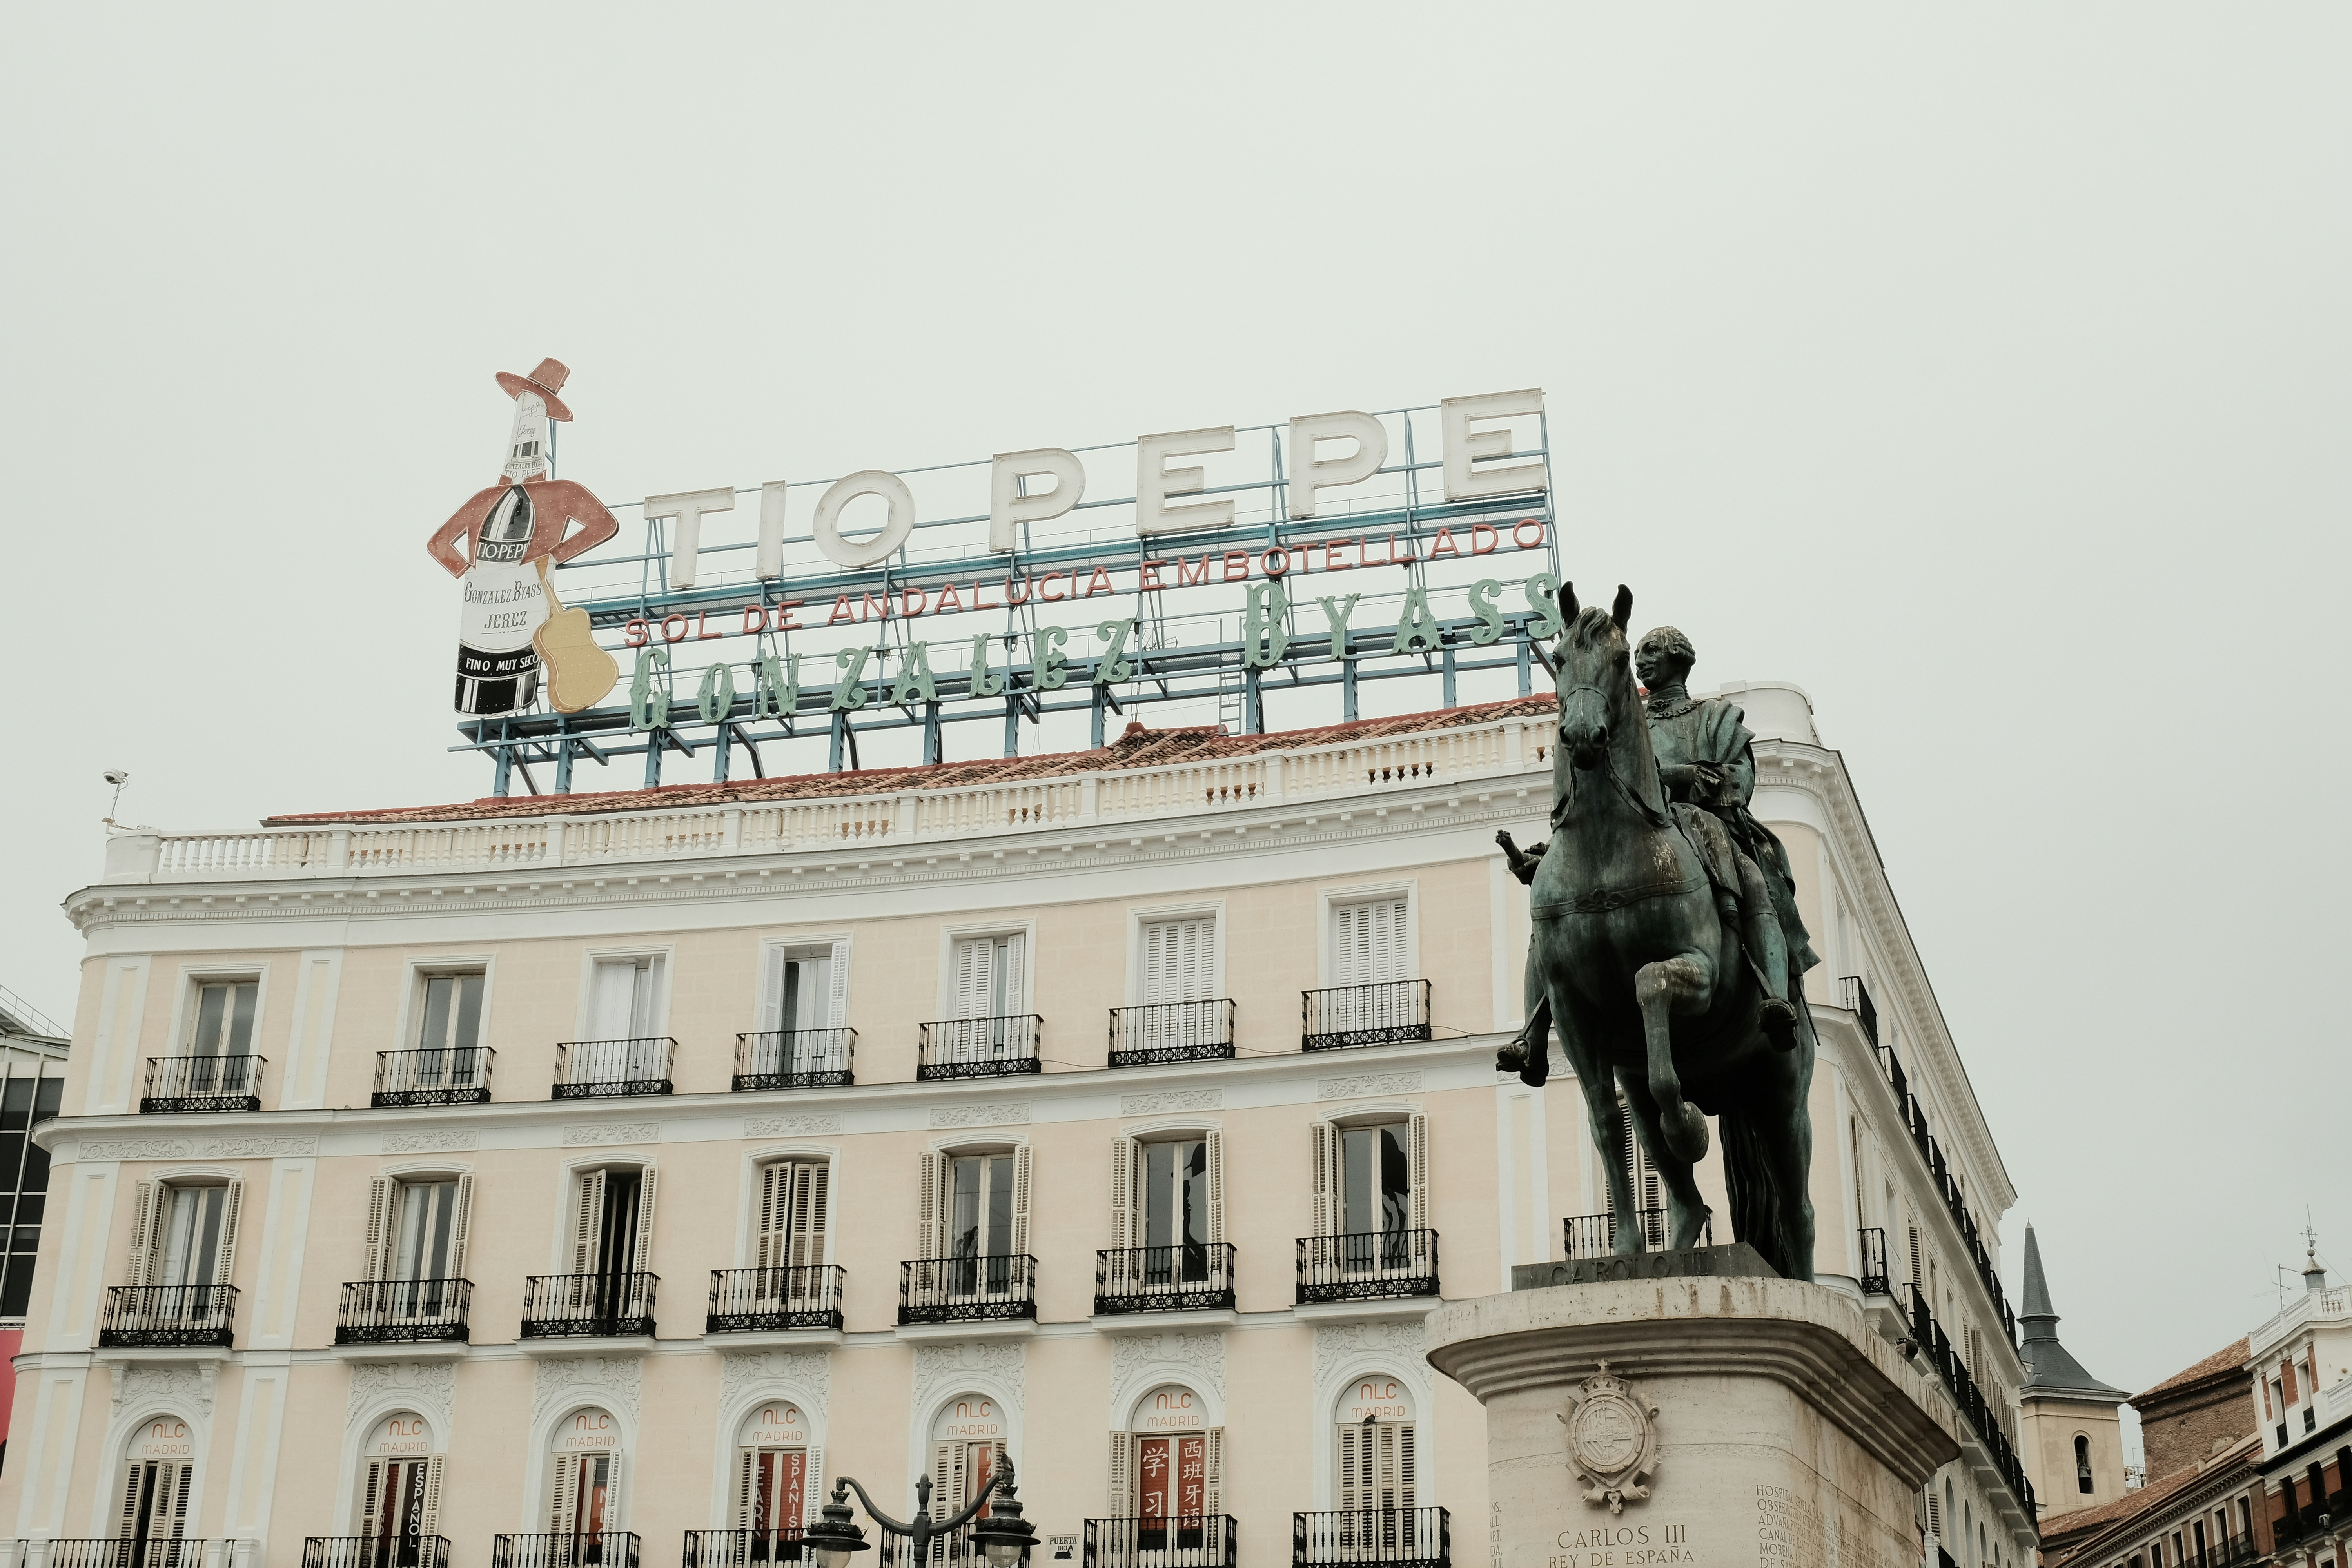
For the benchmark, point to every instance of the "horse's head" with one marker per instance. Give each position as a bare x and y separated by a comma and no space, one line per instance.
1595,676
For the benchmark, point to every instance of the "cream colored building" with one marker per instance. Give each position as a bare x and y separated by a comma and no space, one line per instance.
483,1176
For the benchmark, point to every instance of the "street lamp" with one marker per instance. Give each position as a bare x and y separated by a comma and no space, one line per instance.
1003,1537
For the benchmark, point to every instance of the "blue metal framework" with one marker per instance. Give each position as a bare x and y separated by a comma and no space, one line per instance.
1203,664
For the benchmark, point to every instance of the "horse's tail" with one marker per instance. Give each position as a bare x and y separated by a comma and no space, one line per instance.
1762,1215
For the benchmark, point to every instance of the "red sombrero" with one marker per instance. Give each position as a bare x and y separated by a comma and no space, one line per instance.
546,381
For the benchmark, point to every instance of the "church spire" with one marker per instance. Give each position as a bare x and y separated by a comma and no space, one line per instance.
2049,1369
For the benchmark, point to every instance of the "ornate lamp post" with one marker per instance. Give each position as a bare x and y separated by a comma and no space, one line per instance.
1005,1537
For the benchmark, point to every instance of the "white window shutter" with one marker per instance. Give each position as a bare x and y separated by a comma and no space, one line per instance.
1154,988
772,990
643,1262
1020,1200
584,1218
181,1478
1216,1159
1351,1488
1122,1194
1408,1465
812,1198
372,1499
643,1016
461,1225
429,1524
373,1265
812,1494
836,1012
614,1520
1417,1171
141,1265
931,1210
772,1231
1016,974
563,1498
1326,1196
225,1259
747,1486
972,958
126,1524
1213,1492
1122,1476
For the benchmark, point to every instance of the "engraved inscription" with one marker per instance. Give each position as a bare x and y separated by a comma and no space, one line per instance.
1624,1546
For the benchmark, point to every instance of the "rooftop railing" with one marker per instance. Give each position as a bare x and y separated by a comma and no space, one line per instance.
1515,745
202,1083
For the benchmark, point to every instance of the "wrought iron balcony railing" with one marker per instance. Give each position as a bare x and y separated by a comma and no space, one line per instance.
793,1058
1184,1541
951,1549
602,1070
1191,1276
445,1075
1595,1234
1874,1277
1930,1337
979,1047
402,1312
1367,1266
164,1315
601,1549
1171,1032
375,1551
743,1548
967,1289
2314,1516
1344,1016
586,1306
120,1552
1390,1537
764,1300
202,1083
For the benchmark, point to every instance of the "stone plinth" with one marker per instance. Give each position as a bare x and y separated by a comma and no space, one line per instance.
1785,1433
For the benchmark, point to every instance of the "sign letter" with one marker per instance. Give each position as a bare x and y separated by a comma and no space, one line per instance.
1463,444
859,555
1007,507
769,556
688,507
1308,473
1155,482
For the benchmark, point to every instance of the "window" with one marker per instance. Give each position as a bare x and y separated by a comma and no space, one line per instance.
1368,945
416,1229
990,975
24,1103
1378,1468
623,998
1372,1180
613,1225
222,1024
794,1196
1180,960
399,1502
584,1491
804,987
1167,1470
155,1504
776,1478
185,1235
452,1013
2082,1463
976,1211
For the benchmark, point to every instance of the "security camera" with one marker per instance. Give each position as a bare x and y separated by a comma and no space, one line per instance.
117,777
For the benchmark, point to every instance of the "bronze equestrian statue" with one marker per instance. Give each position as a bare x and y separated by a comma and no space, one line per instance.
1667,950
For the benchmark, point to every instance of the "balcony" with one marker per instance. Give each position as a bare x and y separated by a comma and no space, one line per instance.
1928,1336
773,1301
116,1552
1171,1032
167,1316
2316,1517
1595,1234
202,1083
402,1312
1194,1278
793,1058
607,1069
742,1548
602,1549
587,1306
1188,1540
1367,1266
452,1074
1873,1246
1345,1017
375,1551
1391,1537
968,1289
979,1047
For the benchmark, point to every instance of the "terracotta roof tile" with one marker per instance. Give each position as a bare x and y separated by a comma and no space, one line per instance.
1137,748
2228,1358
2073,1531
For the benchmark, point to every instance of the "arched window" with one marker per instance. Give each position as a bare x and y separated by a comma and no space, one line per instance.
2082,1463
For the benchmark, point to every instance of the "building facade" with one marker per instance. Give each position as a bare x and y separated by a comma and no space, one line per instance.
473,1184
32,1086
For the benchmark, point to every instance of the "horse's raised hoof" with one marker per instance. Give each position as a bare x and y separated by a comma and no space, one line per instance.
1685,1132
1779,1021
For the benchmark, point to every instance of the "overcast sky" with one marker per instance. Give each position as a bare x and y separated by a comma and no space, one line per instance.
1987,371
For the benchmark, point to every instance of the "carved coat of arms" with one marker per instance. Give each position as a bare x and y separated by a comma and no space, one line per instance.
1612,1439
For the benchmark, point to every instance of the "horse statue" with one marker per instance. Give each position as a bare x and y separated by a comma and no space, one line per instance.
1647,980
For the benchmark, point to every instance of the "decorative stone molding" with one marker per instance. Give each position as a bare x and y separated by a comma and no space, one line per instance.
1612,1439
988,1114
789,1126
745,1372
610,1380
936,1366
431,1386
137,1384
1138,1359
1166,1100
1366,1083
1338,1343
92,1148
575,1134
430,1142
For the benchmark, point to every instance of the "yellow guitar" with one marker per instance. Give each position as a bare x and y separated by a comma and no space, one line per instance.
579,673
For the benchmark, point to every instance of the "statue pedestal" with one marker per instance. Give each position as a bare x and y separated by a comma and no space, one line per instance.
1767,1425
